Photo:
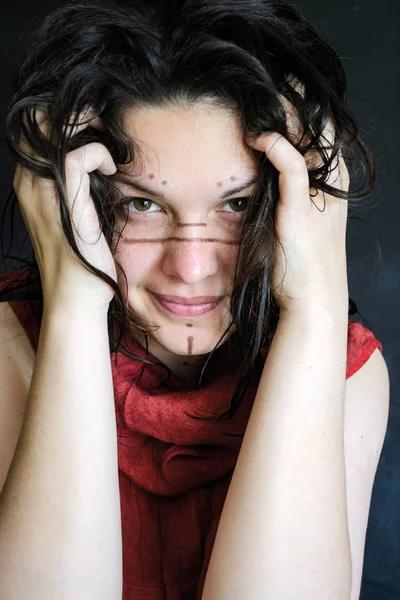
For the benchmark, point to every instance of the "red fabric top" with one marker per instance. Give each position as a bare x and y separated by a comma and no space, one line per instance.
174,472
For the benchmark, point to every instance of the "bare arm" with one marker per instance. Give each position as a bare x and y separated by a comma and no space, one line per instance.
283,532
60,524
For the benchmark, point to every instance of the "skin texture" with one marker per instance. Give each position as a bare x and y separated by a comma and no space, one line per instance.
186,243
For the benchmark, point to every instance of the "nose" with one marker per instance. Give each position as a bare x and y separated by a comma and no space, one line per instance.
190,261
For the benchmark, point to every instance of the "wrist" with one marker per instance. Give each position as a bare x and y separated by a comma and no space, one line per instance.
65,307
319,316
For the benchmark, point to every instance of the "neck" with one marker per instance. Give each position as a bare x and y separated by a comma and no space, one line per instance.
188,368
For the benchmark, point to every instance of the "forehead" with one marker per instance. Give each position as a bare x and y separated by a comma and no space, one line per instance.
198,141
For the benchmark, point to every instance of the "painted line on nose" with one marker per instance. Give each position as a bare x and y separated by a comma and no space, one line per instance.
177,239
192,224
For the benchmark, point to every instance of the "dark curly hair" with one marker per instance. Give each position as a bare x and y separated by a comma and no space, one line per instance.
241,55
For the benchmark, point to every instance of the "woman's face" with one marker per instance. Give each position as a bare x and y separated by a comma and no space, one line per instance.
182,235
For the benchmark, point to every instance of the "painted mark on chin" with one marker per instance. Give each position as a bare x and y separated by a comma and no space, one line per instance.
190,344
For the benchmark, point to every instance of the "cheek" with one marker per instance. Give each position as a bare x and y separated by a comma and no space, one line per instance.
138,260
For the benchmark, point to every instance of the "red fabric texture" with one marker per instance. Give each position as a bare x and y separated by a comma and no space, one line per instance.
174,472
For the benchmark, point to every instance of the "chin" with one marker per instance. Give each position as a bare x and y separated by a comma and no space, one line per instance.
176,337
192,341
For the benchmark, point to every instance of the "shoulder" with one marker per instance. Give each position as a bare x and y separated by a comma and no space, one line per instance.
367,401
367,409
361,343
367,389
366,418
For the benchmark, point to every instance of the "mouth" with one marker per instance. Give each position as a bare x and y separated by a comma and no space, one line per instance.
186,310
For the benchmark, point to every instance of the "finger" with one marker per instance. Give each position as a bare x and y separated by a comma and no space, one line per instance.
85,120
296,134
339,176
344,172
292,121
91,157
293,175
79,163
326,141
41,118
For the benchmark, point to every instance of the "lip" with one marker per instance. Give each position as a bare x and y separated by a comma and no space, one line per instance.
194,300
188,307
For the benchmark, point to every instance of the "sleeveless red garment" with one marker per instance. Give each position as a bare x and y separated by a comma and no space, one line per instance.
174,472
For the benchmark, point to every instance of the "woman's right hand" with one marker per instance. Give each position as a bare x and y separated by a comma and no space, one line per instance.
64,278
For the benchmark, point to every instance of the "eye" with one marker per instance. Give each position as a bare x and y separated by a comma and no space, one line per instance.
139,204
239,204
143,205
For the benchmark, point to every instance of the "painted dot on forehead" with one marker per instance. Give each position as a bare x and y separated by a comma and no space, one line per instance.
233,178
163,183
151,175
219,183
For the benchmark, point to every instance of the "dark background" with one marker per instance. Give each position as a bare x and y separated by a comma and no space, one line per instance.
366,37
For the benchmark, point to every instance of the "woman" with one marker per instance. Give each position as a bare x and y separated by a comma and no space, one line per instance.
181,173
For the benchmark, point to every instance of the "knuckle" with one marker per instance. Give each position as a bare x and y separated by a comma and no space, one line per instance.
21,179
299,164
72,161
76,157
343,169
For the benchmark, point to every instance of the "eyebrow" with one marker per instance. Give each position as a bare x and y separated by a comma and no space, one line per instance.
147,190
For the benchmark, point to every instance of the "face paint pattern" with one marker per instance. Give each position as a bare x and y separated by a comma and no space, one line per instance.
177,239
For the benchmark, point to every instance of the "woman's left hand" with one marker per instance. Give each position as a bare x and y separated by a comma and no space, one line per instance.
314,274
